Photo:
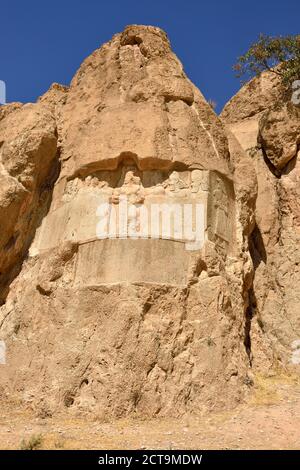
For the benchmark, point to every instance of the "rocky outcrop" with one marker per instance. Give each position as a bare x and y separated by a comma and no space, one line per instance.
28,167
269,132
156,323
279,135
131,98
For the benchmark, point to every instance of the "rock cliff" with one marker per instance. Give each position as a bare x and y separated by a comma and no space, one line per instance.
116,309
265,121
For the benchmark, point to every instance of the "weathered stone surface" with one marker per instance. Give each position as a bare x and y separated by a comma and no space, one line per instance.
115,325
279,134
132,98
271,138
254,97
28,166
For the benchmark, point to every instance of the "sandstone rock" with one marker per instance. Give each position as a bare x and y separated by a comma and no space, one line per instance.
270,133
155,324
131,98
253,98
28,166
279,134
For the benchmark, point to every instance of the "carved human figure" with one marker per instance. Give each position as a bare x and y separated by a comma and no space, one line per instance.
157,190
199,181
88,180
221,210
94,182
132,189
72,188
105,188
175,186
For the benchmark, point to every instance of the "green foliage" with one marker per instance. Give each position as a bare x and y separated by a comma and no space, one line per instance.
279,55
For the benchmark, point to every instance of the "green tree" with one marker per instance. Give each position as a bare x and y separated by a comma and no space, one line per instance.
279,55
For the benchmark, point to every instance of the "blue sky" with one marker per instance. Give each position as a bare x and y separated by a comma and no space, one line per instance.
45,41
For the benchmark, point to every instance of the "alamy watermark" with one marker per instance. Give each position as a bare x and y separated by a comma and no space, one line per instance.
170,221
2,92
2,352
295,359
296,92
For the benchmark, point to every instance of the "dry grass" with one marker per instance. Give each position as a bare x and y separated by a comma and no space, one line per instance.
33,443
269,419
265,390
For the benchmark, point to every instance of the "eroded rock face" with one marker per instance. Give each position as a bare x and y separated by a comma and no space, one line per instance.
28,168
132,98
153,320
279,134
270,134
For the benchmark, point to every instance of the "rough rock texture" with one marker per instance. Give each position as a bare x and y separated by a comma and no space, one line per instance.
279,134
267,125
123,326
28,167
131,97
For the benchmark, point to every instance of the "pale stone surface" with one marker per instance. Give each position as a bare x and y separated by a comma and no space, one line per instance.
279,134
118,326
132,98
28,166
151,261
269,131
191,206
254,98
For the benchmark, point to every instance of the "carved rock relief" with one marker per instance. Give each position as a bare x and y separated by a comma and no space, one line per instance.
197,198
221,214
137,186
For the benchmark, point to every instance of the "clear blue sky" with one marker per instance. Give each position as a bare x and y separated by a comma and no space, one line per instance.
45,41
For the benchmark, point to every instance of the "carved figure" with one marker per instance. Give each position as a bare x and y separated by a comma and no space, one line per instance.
175,186
221,207
198,181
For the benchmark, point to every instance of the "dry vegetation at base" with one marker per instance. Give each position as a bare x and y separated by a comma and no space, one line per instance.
270,420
